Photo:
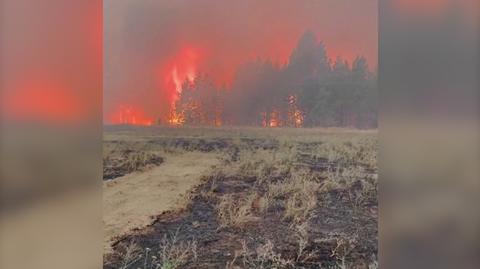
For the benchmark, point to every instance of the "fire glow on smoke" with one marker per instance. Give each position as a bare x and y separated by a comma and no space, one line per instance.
46,100
148,68
131,115
182,68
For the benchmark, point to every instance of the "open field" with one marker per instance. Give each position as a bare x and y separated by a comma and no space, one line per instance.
240,198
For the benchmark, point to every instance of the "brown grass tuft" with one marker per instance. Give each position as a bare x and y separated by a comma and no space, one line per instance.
233,212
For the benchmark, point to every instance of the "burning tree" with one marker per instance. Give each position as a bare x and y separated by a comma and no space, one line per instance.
319,91
271,118
175,118
200,102
311,90
290,116
295,116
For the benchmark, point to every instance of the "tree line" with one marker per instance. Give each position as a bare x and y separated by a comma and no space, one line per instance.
310,91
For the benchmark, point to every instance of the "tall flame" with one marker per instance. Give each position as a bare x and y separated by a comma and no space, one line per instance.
183,68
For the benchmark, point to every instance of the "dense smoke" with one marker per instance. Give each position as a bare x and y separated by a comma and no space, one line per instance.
311,90
153,47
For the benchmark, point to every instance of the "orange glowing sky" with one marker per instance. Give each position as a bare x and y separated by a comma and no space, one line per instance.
44,100
153,46
182,66
51,61
55,52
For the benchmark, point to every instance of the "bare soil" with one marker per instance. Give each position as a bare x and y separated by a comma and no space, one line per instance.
131,201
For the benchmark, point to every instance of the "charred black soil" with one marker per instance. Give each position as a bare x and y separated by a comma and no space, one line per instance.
121,162
271,205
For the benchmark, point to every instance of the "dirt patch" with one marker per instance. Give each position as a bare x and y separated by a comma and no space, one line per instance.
131,201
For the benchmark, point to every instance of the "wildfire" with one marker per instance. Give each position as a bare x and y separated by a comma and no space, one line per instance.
131,116
218,116
298,116
179,78
295,116
274,119
182,69
271,119
175,118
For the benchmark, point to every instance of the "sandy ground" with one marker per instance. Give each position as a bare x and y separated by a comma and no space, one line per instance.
133,200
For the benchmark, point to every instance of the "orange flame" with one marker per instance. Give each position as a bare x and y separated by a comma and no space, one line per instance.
175,118
183,68
132,116
295,115
294,118
274,119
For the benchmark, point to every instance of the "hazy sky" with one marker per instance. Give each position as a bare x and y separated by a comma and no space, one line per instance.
148,44
50,60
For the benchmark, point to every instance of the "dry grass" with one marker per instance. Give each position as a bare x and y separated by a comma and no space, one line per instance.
174,253
298,189
171,254
131,254
361,186
290,178
233,212
297,194
264,256
117,164
299,206
340,150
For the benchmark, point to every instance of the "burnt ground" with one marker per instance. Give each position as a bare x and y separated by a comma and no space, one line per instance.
342,228
130,156
121,162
